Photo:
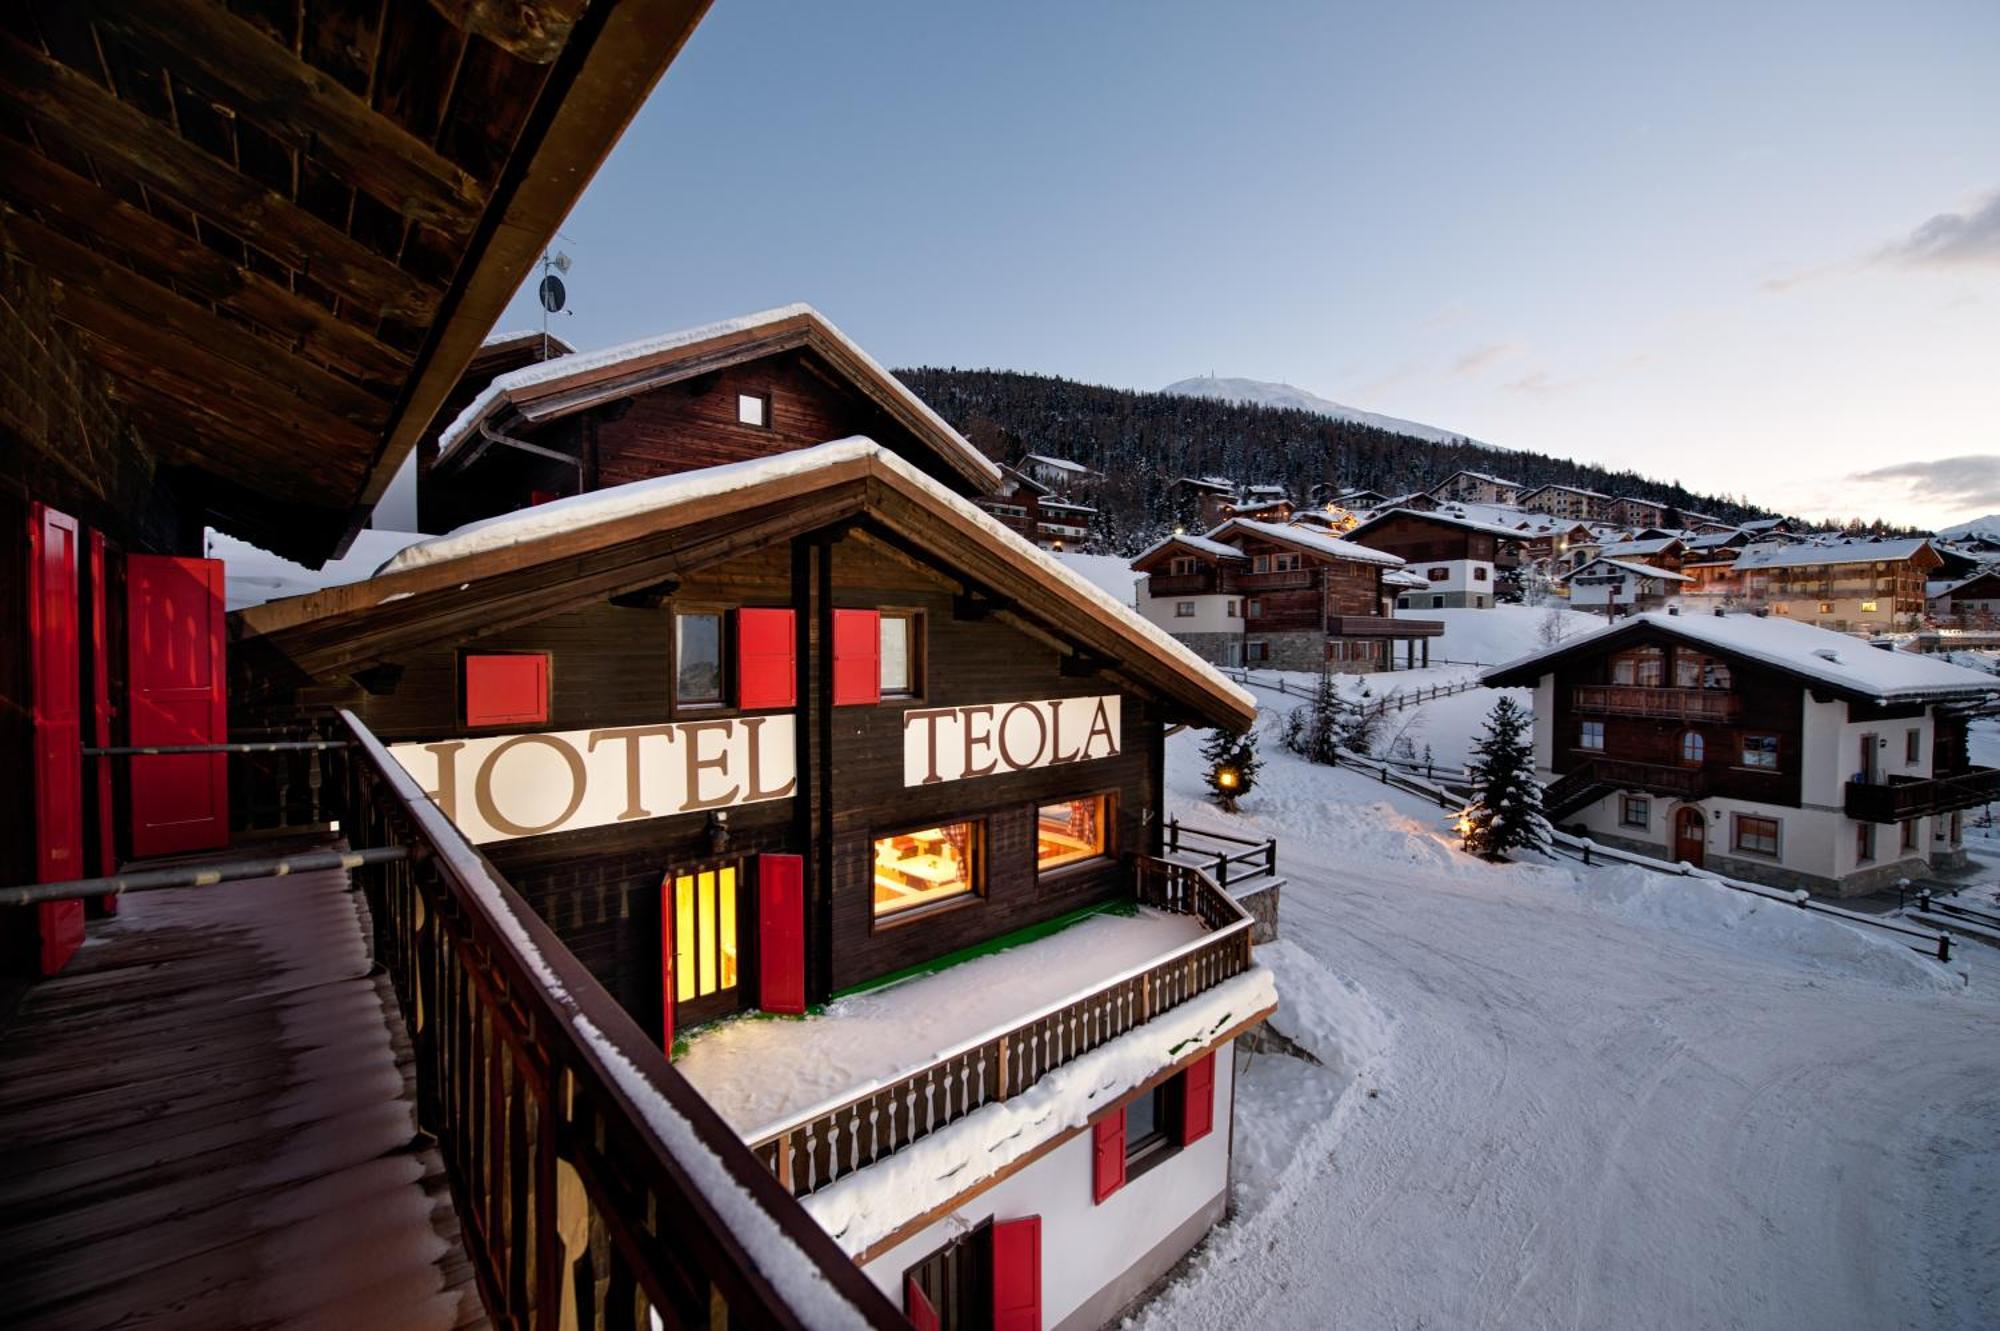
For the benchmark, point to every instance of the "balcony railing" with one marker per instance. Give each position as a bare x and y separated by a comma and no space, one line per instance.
815,1148
1279,581
1902,798
1183,584
1672,704
594,1186
1689,783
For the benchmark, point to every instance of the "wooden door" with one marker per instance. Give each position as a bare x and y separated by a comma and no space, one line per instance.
1869,770
99,787
55,676
1690,835
701,959
175,690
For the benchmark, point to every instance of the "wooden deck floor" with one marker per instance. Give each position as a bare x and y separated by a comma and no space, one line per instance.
204,1123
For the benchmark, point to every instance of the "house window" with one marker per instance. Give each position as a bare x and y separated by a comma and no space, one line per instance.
1438,574
1256,651
1402,603
1437,602
1183,609
1149,1133
1071,832
1864,842
1761,751
1826,607
704,933
1232,609
753,409
698,657
1644,668
1479,575
1909,834
1755,836
1635,811
902,637
507,689
1260,563
921,869
1183,564
1868,607
1286,563
1913,747
1692,670
1692,747
1253,609
1590,735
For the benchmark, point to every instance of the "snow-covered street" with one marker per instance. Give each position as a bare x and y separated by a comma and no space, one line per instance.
1559,1099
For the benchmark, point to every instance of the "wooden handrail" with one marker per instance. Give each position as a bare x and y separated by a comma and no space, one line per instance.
817,1146
594,1185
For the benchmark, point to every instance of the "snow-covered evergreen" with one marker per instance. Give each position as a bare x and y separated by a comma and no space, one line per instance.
1506,810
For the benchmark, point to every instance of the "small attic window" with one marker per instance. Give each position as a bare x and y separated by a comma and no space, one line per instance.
753,409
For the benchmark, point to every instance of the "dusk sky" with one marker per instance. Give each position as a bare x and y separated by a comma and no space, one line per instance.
1753,248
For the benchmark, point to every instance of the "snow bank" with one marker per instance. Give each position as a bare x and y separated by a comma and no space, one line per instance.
871,1203
1499,633
253,575
1111,574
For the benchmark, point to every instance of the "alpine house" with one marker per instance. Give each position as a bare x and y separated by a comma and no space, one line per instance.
763,725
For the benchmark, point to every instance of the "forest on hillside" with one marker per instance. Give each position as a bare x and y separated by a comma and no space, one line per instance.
1142,442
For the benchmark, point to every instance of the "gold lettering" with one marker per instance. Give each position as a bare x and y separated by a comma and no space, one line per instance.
692,732
631,735
1041,738
446,794
973,741
1100,724
931,717
754,744
482,786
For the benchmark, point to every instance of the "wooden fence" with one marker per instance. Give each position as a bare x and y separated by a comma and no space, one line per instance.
827,1142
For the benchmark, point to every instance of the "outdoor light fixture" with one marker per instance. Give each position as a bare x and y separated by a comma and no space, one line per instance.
718,831
1227,777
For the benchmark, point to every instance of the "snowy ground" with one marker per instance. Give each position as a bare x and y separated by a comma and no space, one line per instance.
1558,1098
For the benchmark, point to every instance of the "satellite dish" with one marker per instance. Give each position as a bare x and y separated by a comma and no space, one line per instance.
552,293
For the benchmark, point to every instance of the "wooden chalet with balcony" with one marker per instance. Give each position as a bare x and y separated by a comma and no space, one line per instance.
1853,586
1290,597
1759,747
1458,557
1477,487
1568,501
1039,512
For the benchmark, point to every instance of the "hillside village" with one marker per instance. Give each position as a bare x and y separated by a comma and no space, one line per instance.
707,831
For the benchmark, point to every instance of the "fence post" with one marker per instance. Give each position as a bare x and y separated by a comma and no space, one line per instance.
1944,946
1271,857
1222,869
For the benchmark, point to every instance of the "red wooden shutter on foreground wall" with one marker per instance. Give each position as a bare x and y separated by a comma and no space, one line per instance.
765,675
667,963
55,676
175,678
1107,1152
1198,1100
1017,1273
857,657
917,1306
781,933
106,862
509,689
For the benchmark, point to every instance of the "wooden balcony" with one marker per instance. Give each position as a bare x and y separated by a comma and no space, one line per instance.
1381,626
1901,798
1183,584
1688,783
1717,705
1273,582
825,1143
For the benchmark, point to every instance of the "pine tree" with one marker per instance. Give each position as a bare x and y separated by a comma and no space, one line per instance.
1232,764
1506,810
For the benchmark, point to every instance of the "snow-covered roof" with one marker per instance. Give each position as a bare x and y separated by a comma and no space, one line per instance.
549,374
1774,555
1762,524
1397,577
514,335
1214,549
1566,489
1308,539
1477,476
1658,545
1629,567
1060,464
1208,483
253,575
1711,540
1444,516
1822,656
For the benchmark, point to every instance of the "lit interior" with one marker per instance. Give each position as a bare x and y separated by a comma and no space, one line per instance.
916,869
704,932
1069,832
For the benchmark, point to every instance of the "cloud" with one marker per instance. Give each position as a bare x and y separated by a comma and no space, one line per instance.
1481,358
1952,240
1539,381
1970,481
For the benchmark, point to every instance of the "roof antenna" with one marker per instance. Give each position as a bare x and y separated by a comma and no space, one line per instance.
553,295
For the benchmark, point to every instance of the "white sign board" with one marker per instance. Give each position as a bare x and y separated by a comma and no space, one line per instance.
954,743
498,787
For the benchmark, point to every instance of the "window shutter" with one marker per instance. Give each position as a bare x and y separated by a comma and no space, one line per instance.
781,933
1017,1274
1107,1143
55,727
918,1307
765,676
507,690
857,657
667,964
1198,1100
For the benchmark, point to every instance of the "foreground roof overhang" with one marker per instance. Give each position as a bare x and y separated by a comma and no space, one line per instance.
493,575
278,235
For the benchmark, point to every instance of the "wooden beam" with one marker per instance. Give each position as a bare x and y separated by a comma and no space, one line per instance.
73,110
614,55
262,82
649,597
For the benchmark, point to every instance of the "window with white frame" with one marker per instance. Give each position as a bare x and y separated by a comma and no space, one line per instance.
1754,835
1183,609
1590,735
753,409
1635,811
1761,751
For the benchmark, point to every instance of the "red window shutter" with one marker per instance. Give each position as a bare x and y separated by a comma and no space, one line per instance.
509,690
918,1307
1017,1273
1107,1149
857,657
55,674
1198,1100
106,861
536,498
667,964
781,933
765,673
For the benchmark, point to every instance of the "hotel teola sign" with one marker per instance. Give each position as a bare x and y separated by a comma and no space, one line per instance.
499,787
954,743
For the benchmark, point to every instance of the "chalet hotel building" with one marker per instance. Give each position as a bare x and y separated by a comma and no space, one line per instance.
755,721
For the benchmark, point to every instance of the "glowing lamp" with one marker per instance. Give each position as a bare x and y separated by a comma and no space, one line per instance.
1227,777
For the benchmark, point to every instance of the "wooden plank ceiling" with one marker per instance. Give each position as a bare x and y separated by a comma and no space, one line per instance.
280,228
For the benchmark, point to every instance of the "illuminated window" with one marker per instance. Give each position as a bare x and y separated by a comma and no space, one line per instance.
753,409
1868,607
915,870
704,933
1070,832
698,657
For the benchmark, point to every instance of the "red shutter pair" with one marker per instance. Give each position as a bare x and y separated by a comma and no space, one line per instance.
1196,1087
1017,1280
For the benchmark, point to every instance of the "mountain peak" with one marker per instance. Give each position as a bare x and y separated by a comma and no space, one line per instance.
1289,397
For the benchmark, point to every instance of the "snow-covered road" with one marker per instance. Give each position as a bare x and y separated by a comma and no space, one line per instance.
1591,1116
